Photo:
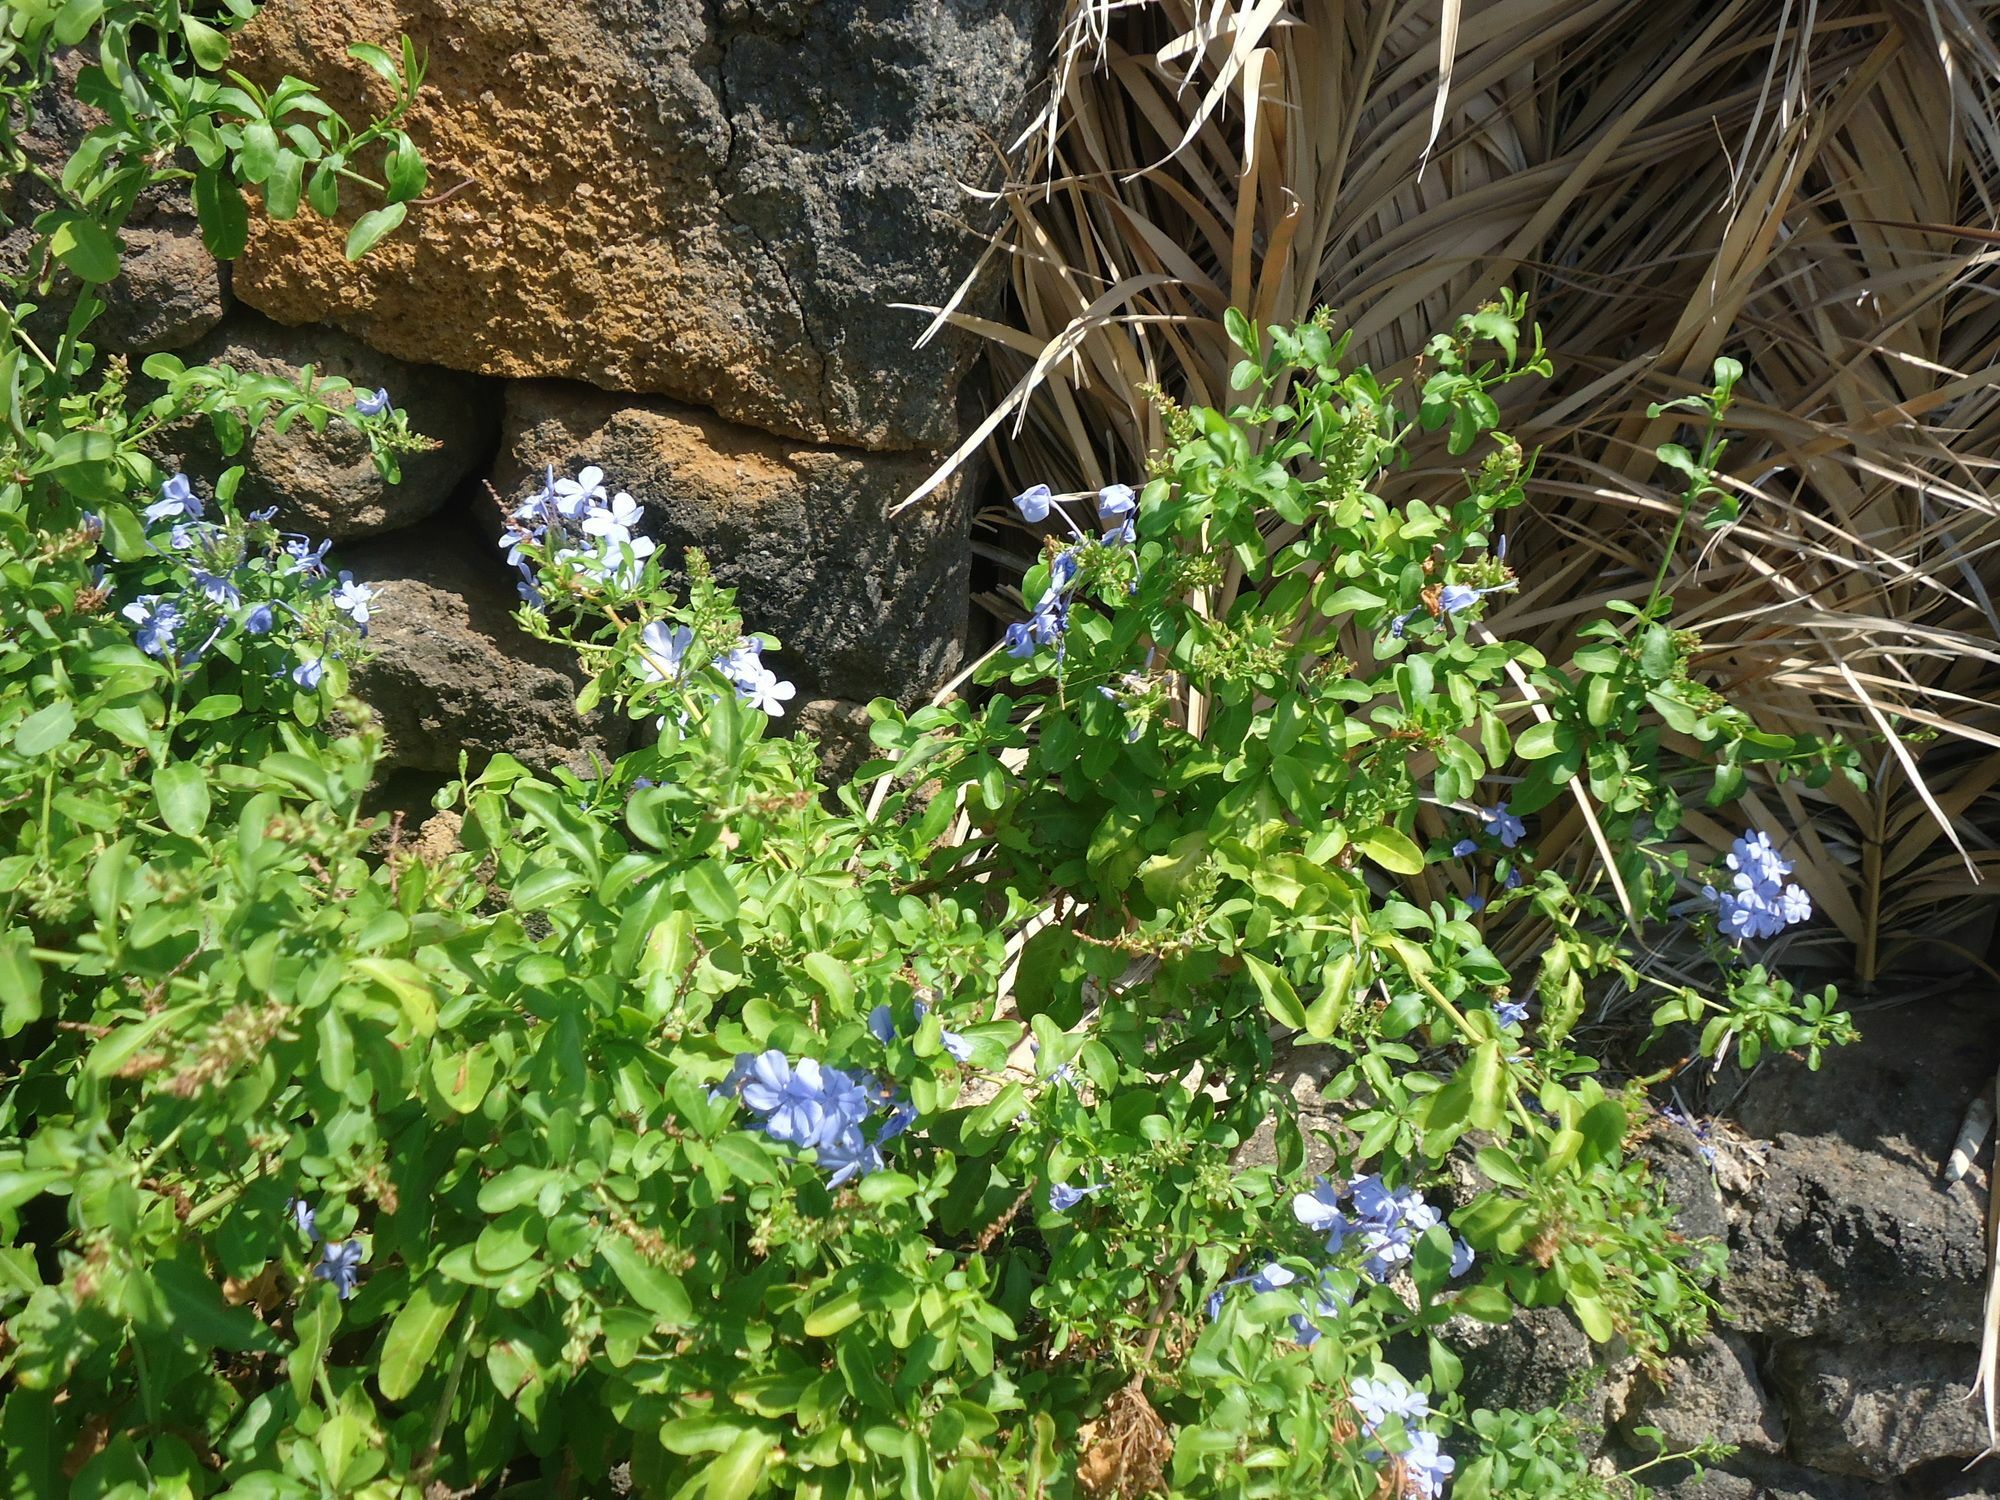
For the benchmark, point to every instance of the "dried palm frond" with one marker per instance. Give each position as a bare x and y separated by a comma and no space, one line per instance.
1806,185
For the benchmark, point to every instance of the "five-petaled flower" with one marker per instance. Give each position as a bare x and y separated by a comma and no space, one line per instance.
340,1263
353,599
177,498
1503,825
374,403
1033,503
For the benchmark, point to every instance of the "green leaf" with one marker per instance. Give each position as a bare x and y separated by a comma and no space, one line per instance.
1539,740
45,729
1486,1302
180,789
833,976
209,46
405,171
225,221
707,886
197,1310
833,1315
653,1287
376,58
20,982
1280,999
86,247
739,1473
370,227
415,1334
1392,850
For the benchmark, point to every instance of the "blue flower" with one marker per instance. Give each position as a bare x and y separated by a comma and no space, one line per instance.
1375,1401
1033,503
1758,902
375,405
662,650
1457,596
268,513
1386,1221
158,619
340,1263
217,589
352,599
1464,847
307,674
306,558
1503,825
902,1115
1020,640
1510,1013
1124,534
881,1025
1063,1197
1461,1258
847,1156
1116,500
618,520
303,1216
177,498
574,497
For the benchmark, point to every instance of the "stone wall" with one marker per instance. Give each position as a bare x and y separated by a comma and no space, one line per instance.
1842,1365
662,237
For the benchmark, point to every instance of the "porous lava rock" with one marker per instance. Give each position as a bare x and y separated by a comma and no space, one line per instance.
713,202
453,673
326,483
865,604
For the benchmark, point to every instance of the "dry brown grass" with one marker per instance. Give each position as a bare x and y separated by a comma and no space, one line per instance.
1808,185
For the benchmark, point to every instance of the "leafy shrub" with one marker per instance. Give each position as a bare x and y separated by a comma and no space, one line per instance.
690,1130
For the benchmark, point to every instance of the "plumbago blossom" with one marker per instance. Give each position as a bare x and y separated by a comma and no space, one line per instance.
1385,1222
1758,902
584,536
242,578
576,534
1116,508
813,1106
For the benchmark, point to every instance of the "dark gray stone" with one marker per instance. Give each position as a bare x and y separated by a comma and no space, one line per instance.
326,483
1850,1234
1878,1410
169,290
1541,1358
724,214
452,672
1709,1393
864,604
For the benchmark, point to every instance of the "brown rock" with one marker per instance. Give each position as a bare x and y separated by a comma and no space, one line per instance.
863,604
453,672
708,202
325,483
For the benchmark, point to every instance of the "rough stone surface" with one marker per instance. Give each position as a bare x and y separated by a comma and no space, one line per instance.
453,672
841,727
1531,1362
1878,1410
864,605
169,291
713,202
1709,1392
325,484
1850,1234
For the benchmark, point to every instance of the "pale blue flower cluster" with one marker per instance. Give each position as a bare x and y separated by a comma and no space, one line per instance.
1117,505
236,575
1758,901
1385,1222
588,536
1329,1298
812,1106
1425,1469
